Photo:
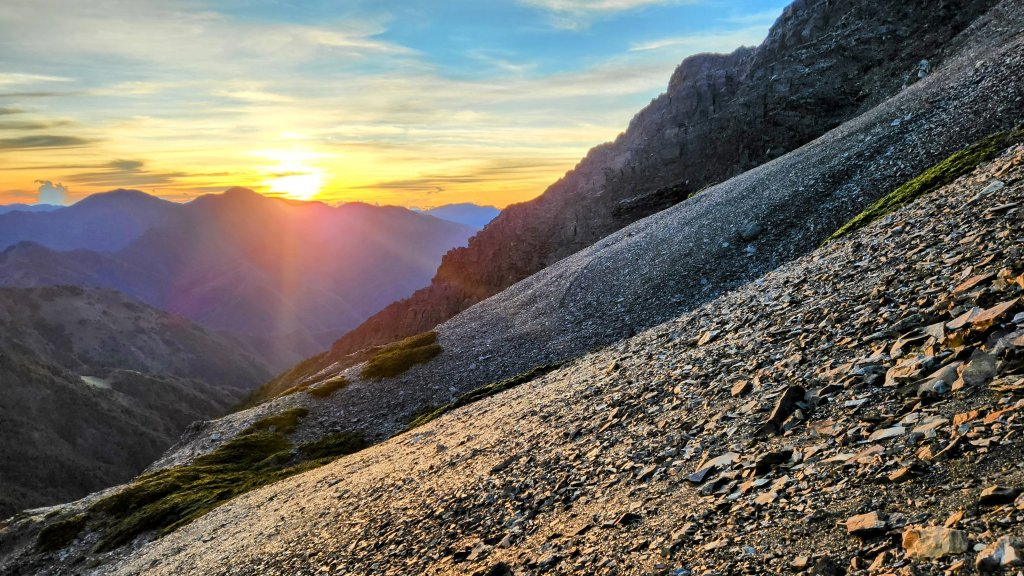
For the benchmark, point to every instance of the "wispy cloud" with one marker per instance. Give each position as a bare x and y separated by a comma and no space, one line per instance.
15,78
724,41
42,141
577,14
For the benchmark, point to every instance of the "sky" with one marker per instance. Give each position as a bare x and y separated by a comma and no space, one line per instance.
414,103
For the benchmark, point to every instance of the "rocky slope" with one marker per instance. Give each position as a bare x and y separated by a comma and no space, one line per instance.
823,63
94,386
727,235
855,411
214,260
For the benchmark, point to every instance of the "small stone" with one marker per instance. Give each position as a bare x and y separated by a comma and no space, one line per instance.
887,433
865,525
766,462
979,371
996,495
1002,553
741,388
934,542
784,408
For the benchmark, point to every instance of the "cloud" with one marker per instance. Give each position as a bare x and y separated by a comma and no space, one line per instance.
579,14
124,173
11,78
10,110
50,193
30,125
43,141
724,41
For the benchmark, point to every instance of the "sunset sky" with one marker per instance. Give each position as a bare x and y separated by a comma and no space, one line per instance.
407,102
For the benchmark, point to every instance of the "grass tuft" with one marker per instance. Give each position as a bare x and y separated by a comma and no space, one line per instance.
61,533
428,413
394,359
329,387
260,455
939,175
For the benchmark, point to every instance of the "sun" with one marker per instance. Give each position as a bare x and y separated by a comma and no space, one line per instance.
293,176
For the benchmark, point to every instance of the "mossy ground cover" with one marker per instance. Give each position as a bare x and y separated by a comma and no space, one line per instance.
426,414
329,387
394,359
939,175
168,499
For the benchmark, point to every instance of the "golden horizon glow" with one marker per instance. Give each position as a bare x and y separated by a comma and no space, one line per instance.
383,102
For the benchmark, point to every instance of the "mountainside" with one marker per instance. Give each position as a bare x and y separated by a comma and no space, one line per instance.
93,386
103,222
469,214
857,407
246,263
823,63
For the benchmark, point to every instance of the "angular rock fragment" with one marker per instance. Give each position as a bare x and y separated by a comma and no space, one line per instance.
865,525
934,542
784,408
996,495
1003,553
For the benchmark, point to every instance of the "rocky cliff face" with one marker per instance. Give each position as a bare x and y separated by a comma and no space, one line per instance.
822,63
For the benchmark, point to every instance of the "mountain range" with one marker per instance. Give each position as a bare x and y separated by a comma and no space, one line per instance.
298,271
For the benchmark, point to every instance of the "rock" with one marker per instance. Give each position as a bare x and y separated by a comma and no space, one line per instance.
996,495
767,461
827,567
887,433
934,542
784,408
750,231
996,313
711,465
741,388
979,371
1003,553
865,525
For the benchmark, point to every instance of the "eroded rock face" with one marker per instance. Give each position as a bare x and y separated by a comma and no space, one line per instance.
822,63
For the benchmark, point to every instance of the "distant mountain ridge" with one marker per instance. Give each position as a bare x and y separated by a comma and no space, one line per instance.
5,208
237,261
466,213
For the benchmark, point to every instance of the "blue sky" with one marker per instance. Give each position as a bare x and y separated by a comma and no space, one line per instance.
414,102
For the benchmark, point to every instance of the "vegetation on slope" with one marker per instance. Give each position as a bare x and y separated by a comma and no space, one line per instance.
394,359
167,499
424,415
939,175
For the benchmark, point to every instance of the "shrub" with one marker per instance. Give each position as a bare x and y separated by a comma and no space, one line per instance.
428,413
260,455
394,359
329,387
939,175
61,533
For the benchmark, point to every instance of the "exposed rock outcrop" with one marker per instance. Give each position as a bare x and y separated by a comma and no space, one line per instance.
823,63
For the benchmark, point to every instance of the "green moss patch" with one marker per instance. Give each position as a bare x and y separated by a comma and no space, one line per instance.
333,446
61,533
329,387
168,499
394,359
939,175
426,414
